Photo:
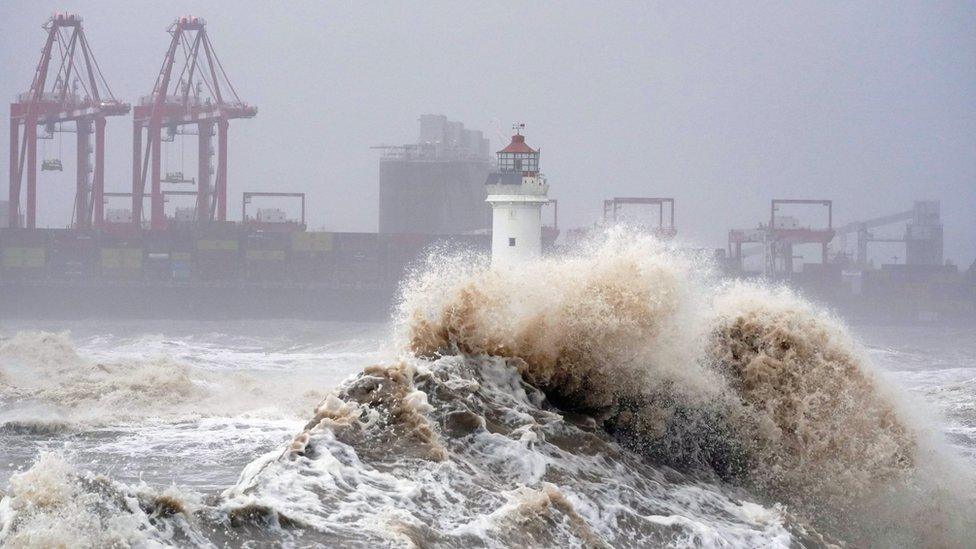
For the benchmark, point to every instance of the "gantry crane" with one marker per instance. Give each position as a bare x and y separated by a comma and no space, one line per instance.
864,235
79,94
787,233
664,229
923,234
781,234
199,94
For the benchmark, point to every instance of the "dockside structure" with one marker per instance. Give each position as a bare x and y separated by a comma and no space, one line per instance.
436,185
224,271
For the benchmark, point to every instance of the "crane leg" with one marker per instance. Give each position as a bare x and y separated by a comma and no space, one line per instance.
31,167
14,191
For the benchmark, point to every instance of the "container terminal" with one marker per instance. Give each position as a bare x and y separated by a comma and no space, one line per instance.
129,253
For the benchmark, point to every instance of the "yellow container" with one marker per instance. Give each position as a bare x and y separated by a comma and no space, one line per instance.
311,242
19,257
121,258
212,244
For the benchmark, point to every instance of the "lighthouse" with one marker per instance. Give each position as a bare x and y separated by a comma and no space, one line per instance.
516,193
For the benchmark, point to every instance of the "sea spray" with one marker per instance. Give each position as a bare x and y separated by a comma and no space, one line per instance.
752,383
617,317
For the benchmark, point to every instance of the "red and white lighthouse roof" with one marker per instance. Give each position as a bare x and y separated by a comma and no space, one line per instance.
518,146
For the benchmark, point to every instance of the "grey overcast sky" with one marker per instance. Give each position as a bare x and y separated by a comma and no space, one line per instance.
721,105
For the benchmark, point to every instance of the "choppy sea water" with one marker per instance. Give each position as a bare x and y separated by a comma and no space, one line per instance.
936,364
246,388
168,403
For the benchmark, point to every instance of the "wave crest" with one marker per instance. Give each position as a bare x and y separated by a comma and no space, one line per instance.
749,382
53,505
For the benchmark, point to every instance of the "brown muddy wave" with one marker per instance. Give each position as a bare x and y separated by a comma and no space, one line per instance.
751,383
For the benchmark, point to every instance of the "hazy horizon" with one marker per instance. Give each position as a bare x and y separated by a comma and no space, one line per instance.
868,104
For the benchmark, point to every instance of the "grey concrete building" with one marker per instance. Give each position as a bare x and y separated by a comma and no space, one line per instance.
436,185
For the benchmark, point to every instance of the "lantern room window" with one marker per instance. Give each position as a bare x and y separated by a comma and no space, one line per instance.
518,157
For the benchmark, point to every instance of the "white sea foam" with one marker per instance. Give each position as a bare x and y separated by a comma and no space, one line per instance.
53,505
45,380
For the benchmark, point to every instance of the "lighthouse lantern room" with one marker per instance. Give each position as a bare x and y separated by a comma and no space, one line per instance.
517,156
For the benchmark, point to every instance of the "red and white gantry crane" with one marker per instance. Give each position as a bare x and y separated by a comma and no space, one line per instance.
77,93
192,89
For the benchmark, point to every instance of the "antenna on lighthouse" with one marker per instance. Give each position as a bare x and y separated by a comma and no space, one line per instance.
518,127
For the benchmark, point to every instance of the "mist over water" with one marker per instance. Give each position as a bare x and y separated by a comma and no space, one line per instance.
616,396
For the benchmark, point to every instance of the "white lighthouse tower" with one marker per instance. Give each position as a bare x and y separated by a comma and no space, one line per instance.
516,192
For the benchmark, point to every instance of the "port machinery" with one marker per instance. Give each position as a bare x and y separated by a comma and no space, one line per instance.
781,234
78,93
191,89
664,228
278,223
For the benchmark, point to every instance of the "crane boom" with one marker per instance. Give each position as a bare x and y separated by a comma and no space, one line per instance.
856,226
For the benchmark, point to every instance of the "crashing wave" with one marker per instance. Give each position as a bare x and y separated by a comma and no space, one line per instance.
53,505
752,384
462,451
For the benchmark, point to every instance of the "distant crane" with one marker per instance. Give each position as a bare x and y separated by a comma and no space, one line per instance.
663,229
864,235
922,239
780,236
180,101
79,94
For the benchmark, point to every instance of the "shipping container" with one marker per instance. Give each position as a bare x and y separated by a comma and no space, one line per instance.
182,265
214,244
18,257
125,258
367,243
72,256
265,255
157,265
311,242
